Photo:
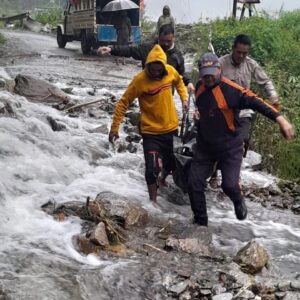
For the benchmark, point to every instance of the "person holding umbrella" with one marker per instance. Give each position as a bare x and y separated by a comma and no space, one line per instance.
122,25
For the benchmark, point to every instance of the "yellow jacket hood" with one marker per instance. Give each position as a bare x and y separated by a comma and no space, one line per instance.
157,54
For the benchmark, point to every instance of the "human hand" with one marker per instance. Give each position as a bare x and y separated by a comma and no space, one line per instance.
286,128
197,115
103,50
185,105
112,136
190,88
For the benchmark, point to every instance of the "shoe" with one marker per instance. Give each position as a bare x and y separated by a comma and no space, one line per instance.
240,209
200,221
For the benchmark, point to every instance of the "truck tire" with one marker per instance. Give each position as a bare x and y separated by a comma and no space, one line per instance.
61,39
86,43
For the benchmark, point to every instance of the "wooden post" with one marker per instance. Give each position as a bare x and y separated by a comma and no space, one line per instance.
234,8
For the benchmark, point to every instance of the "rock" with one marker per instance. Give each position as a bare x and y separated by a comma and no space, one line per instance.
218,289
131,148
6,109
189,245
284,286
38,90
185,296
246,295
100,129
268,297
280,295
252,257
119,207
2,83
86,246
95,113
133,137
179,287
55,125
99,236
253,160
67,90
295,285
235,274
205,292
292,296
225,296
134,118
296,209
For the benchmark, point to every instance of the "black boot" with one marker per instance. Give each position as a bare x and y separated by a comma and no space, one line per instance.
240,209
201,221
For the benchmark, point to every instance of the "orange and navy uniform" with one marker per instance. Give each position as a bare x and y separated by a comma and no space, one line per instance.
219,108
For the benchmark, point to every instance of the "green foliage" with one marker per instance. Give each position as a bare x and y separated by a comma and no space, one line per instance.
148,28
2,39
52,16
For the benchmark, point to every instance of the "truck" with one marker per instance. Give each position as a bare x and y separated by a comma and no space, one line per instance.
85,21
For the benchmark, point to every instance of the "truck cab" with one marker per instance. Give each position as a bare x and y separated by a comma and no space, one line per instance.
85,21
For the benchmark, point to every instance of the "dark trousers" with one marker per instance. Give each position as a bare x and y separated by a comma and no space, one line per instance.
158,148
229,162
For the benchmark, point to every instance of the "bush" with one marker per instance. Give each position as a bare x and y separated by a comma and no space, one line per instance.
52,16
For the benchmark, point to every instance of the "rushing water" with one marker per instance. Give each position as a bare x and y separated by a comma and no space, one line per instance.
37,257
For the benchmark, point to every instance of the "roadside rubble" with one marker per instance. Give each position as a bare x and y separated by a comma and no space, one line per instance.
115,226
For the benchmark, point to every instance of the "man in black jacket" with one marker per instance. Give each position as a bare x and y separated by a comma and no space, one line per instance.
140,52
219,136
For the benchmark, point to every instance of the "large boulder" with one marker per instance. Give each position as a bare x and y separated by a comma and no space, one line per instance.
252,257
38,90
120,208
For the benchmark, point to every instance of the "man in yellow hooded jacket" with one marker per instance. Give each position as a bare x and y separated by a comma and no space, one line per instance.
158,120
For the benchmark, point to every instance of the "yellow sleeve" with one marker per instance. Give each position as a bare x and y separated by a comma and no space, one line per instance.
128,97
180,87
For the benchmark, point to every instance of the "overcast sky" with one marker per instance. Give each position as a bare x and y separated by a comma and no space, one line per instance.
188,11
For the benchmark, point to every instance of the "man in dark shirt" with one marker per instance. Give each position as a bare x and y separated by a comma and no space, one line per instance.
140,52
219,136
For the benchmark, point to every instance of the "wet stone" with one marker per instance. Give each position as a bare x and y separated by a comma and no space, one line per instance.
284,286
295,285
268,297
133,137
225,296
100,129
55,125
252,257
131,148
2,83
179,287
280,295
292,296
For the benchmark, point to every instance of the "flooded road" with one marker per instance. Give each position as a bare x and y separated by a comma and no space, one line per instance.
37,256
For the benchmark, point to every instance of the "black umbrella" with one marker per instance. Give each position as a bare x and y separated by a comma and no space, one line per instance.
116,5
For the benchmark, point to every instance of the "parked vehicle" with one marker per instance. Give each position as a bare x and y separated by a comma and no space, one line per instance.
85,21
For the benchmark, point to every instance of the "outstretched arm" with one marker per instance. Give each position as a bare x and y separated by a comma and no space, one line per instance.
286,128
121,108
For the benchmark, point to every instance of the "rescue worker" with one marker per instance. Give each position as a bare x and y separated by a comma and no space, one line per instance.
166,40
219,138
165,19
158,120
240,68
